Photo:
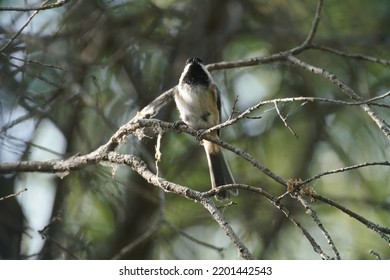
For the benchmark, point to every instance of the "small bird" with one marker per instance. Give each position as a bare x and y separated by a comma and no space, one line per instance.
199,103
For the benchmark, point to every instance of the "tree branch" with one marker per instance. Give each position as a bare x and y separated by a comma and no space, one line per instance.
382,231
383,126
276,202
313,214
44,6
343,169
357,56
6,45
316,22
12,195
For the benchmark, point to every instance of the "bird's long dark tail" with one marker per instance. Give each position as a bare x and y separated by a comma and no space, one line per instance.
219,170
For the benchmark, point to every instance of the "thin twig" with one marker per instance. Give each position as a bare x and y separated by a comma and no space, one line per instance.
284,120
343,169
13,195
195,240
225,226
138,241
34,62
357,56
48,238
313,214
44,6
382,231
314,26
5,46
61,247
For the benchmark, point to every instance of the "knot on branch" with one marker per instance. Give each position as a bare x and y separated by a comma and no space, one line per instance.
295,186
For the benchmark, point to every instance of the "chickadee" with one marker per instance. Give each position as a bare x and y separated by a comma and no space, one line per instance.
199,103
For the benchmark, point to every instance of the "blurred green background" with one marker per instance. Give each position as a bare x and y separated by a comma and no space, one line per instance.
78,72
